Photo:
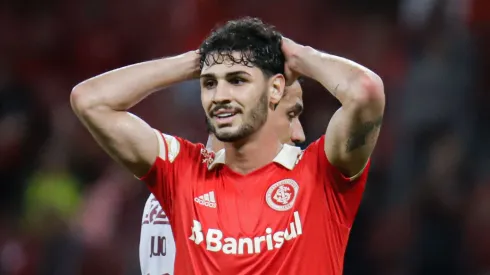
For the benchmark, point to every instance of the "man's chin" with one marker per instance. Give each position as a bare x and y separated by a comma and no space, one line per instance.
229,134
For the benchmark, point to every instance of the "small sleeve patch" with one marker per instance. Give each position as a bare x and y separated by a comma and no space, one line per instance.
173,147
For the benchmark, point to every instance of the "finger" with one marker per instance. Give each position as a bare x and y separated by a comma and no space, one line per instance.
286,40
290,77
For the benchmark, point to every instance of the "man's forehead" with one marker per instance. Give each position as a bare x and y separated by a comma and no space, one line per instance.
294,93
227,61
225,68
292,103
293,97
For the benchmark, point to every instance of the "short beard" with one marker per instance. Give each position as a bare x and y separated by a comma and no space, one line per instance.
252,123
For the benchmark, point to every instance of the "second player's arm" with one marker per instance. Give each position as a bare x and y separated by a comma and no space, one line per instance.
101,103
354,128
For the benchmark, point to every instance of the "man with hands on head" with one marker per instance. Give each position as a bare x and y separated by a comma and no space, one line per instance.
257,206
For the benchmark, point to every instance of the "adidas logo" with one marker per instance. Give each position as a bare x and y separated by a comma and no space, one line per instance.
206,200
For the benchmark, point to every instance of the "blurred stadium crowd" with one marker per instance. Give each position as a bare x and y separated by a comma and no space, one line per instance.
66,209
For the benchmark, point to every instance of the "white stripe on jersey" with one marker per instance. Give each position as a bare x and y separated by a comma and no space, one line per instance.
157,245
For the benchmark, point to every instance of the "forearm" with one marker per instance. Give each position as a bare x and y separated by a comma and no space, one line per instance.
348,81
122,88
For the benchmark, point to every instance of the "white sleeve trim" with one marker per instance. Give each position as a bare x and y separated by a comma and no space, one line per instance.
161,145
356,176
172,145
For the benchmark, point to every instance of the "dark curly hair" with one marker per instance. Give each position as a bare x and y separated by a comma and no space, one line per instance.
259,45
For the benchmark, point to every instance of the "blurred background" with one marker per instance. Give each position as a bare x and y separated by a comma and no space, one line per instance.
67,209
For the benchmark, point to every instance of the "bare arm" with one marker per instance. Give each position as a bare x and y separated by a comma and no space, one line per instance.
353,130
101,103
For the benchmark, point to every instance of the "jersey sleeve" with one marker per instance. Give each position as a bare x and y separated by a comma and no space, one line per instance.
176,156
344,194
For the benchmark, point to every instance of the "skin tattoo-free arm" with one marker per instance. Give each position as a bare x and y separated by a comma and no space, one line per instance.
101,103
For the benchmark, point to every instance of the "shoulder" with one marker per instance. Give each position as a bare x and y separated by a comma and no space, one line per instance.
314,151
314,155
172,148
317,145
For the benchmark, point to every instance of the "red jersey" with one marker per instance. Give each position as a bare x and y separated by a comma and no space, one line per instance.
292,216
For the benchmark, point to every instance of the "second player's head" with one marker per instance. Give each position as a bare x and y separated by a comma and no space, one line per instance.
242,77
285,119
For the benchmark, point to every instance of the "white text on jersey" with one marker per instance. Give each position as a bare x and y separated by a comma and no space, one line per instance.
213,239
207,200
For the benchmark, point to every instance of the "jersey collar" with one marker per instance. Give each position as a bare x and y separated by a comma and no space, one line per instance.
287,157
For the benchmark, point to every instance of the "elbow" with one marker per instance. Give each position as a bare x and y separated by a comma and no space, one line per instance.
82,99
370,91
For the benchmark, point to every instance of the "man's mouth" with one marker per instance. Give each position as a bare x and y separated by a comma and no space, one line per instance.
224,116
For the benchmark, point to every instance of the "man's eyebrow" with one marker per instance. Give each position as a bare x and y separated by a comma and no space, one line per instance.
230,74
297,108
207,76
236,73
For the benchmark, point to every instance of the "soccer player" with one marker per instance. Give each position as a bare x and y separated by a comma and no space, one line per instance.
257,206
157,246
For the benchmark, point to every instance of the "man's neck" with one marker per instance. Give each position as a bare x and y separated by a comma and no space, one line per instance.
257,151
